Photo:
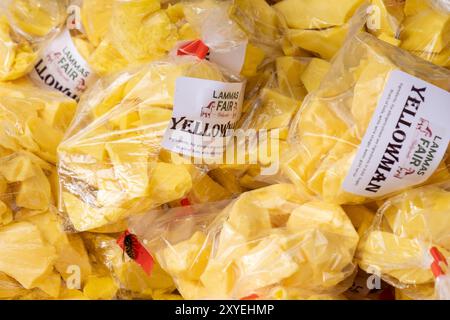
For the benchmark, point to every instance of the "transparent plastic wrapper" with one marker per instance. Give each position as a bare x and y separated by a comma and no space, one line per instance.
131,281
421,27
336,122
25,27
408,243
33,122
425,30
111,162
316,26
230,44
271,243
39,260
270,111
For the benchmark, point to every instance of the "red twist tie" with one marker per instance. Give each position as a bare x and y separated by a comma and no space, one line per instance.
194,48
439,263
142,256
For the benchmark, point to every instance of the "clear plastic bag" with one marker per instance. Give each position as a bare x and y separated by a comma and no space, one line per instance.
39,260
270,243
316,26
131,281
25,27
421,27
333,120
409,240
110,162
33,122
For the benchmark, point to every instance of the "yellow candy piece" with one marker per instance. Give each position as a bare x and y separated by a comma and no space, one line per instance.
9,288
96,18
16,58
324,42
187,259
314,72
100,288
316,14
289,72
34,259
256,18
389,16
427,31
6,215
17,169
398,257
36,17
254,56
399,242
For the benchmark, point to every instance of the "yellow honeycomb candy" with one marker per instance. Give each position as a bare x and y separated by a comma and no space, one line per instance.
316,14
314,72
114,145
330,125
266,238
399,242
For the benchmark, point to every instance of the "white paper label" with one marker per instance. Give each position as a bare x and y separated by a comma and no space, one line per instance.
204,112
62,68
406,140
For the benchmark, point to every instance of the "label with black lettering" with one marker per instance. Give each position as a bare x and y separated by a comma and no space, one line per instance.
62,68
406,140
205,114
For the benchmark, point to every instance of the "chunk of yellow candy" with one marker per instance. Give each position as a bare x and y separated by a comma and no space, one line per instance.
17,169
289,71
401,258
6,215
130,162
35,192
316,14
254,56
389,16
427,31
36,17
100,288
25,255
314,73
187,259
168,182
85,217
96,18
324,42
265,264
256,18
16,58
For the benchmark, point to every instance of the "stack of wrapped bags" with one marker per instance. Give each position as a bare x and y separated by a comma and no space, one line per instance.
342,188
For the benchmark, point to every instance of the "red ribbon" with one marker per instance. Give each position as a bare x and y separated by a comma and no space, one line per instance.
439,263
194,48
142,256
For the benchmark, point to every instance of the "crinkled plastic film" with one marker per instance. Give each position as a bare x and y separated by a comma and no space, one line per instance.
130,280
110,162
328,129
420,27
36,252
398,245
271,243
315,26
25,27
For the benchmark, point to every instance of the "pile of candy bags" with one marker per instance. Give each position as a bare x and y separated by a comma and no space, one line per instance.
224,149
